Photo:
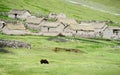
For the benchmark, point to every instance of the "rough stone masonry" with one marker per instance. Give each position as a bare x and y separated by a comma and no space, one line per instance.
14,44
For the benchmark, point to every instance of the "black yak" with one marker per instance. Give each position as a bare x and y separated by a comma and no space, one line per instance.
44,61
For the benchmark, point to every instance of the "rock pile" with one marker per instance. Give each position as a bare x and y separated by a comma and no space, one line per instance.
14,44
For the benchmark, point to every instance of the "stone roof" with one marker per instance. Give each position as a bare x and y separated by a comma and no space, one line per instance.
67,21
87,27
17,26
34,20
50,24
19,12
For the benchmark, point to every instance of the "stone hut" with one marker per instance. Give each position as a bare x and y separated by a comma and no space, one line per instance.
34,23
111,33
52,28
19,14
86,30
15,29
67,22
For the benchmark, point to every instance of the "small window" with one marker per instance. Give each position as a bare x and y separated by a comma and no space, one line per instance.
115,31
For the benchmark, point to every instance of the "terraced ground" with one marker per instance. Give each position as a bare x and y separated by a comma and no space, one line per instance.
100,57
72,10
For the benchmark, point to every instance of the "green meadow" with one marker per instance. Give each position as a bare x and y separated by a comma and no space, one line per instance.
99,57
44,7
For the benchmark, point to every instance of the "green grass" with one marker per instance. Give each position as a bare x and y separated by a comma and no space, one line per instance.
33,30
101,57
113,24
58,6
108,3
114,5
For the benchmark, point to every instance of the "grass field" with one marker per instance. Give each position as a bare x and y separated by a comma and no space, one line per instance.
108,5
100,57
58,6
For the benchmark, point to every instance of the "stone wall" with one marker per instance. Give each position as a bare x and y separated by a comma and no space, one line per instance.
14,44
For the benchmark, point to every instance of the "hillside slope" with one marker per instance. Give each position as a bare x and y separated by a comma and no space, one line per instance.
107,6
46,6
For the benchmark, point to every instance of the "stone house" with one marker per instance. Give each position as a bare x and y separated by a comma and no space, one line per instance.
111,33
33,23
67,22
96,26
86,30
54,27
15,29
19,14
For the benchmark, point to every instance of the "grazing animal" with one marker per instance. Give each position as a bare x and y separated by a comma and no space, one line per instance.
44,61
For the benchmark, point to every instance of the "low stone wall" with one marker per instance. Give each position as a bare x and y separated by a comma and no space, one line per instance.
14,44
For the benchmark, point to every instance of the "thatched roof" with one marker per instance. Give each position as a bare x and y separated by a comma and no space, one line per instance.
19,12
34,20
50,24
17,26
87,27
67,21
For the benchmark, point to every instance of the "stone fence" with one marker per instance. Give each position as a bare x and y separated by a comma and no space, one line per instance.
14,44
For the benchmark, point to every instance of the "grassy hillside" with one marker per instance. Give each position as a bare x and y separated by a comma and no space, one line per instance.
58,6
108,6
100,58
110,3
